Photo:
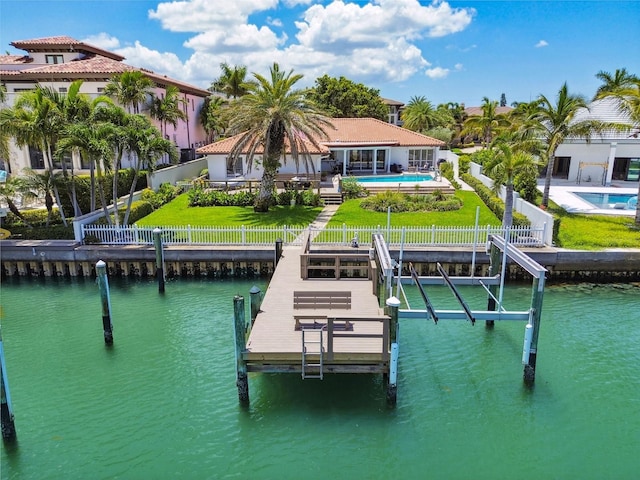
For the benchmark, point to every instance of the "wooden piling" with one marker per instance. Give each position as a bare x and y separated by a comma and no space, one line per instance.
157,241
103,284
6,411
278,252
256,299
240,329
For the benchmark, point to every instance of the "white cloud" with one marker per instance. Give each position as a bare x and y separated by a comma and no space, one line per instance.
103,40
459,67
542,43
369,41
437,72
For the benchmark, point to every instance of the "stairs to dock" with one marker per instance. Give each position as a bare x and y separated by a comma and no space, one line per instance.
331,198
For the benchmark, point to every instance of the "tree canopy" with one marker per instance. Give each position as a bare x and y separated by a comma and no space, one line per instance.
343,98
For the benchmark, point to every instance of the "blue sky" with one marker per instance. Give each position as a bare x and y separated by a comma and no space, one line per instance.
452,51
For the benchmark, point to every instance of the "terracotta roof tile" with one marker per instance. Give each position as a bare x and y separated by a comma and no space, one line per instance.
95,64
225,146
350,132
62,39
15,59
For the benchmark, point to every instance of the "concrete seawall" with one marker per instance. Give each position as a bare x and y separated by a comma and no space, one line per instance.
70,259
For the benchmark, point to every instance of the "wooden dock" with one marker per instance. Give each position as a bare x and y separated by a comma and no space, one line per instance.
341,308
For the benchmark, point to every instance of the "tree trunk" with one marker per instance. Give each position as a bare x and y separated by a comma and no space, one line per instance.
47,154
132,190
264,200
48,202
507,217
13,209
547,179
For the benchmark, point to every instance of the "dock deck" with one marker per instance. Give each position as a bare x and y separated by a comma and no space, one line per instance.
354,327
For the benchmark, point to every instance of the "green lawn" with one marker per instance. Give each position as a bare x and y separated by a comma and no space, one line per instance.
350,213
178,212
595,232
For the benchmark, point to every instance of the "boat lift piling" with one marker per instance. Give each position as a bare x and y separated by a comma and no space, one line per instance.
103,284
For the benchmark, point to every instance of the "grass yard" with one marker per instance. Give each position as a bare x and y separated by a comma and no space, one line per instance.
178,213
350,213
595,232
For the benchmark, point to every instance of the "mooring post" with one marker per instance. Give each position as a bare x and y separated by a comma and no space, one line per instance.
256,299
494,268
157,241
103,284
6,411
240,328
393,305
278,253
532,332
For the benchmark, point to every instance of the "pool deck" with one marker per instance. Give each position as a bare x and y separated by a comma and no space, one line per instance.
564,195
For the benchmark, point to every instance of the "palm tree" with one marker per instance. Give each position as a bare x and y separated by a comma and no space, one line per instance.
503,166
274,116
420,116
130,89
487,124
168,108
9,190
232,81
555,122
42,184
625,89
148,145
36,120
213,117
5,134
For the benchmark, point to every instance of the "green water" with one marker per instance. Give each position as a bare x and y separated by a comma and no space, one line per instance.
162,403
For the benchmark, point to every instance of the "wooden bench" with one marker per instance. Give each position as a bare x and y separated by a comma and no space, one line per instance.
321,299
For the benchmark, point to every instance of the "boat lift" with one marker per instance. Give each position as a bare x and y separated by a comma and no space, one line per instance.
499,251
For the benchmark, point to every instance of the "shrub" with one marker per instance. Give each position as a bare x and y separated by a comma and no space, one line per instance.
198,197
463,164
402,202
53,232
164,195
352,189
446,169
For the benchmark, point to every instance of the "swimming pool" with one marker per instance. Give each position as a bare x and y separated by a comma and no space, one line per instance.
618,201
403,178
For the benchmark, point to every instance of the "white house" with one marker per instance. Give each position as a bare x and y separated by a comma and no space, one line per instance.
354,145
57,61
609,156
395,109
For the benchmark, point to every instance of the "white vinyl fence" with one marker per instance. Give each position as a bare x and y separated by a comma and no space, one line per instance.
333,236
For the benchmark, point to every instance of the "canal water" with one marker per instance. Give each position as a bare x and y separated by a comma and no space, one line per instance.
162,402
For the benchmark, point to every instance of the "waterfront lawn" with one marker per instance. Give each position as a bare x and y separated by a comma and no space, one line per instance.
595,232
350,213
179,213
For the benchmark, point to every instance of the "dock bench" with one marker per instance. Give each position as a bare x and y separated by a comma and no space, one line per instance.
325,300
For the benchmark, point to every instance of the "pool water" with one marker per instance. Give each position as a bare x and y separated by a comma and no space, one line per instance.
608,200
404,178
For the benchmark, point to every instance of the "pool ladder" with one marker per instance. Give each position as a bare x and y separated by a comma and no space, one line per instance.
312,346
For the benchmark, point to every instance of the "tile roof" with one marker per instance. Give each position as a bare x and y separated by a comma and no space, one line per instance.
64,43
350,132
93,64
225,146
15,59
58,40
477,111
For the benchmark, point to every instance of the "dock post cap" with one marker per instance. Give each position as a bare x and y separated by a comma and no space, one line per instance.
393,302
255,289
101,264
157,230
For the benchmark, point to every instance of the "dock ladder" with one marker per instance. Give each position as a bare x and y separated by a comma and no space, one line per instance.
312,346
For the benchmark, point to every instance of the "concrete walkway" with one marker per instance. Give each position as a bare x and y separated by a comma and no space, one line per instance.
322,219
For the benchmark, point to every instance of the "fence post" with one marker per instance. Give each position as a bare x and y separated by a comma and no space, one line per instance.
189,234
344,234
244,235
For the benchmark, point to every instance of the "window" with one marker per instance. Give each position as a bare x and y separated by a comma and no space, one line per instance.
35,158
54,59
100,89
421,159
234,168
62,89
361,160
626,169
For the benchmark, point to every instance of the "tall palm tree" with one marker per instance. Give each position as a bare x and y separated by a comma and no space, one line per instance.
502,167
625,89
487,124
274,116
167,109
5,133
148,145
419,115
555,122
130,89
232,82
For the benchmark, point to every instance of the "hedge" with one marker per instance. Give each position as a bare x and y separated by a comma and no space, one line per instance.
492,201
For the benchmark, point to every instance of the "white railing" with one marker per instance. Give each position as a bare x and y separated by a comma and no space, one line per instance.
329,236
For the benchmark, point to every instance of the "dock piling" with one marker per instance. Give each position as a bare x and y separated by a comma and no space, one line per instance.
494,268
278,252
256,299
157,241
393,305
240,329
6,411
103,284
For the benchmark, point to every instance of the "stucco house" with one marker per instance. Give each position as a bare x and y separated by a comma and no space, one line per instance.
395,109
353,146
612,155
58,61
